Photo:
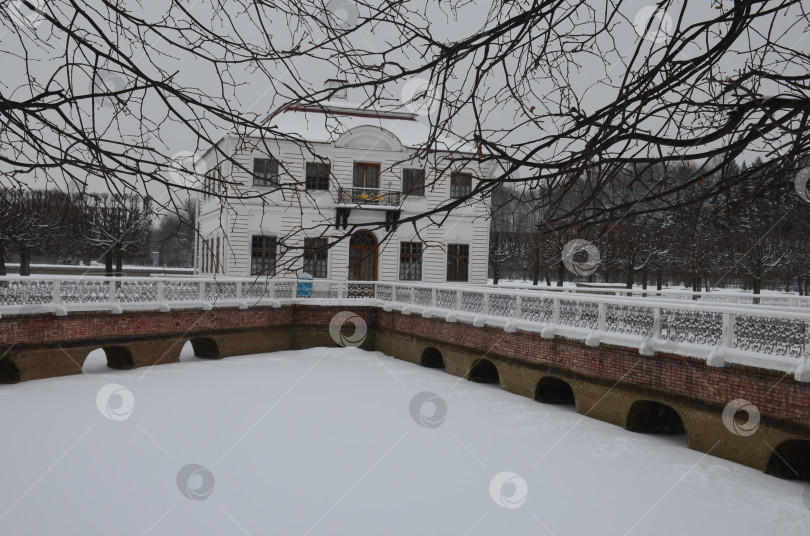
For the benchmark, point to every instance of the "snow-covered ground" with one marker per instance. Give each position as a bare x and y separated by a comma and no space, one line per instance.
341,442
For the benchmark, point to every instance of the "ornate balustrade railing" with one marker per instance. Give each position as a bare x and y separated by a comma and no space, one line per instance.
758,335
718,296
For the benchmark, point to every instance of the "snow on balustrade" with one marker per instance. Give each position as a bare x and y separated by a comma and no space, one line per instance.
692,326
630,319
446,299
714,296
756,334
770,335
579,314
537,309
181,291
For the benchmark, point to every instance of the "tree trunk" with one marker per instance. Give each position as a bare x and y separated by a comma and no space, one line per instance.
495,274
536,275
3,261
25,262
119,263
644,276
560,274
659,280
630,277
108,263
548,278
757,285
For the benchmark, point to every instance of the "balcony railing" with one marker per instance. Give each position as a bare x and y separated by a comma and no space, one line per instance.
368,196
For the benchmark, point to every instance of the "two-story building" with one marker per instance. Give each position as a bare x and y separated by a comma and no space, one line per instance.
332,194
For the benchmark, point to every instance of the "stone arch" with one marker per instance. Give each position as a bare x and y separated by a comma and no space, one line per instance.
649,417
484,371
432,358
9,371
206,348
119,357
791,460
552,390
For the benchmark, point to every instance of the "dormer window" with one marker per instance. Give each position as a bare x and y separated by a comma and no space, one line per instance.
341,94
265,172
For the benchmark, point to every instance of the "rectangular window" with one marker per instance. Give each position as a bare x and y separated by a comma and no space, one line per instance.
366,175
413,181
410,261
316,257
265,172
460,184
263,255
458,260
317,176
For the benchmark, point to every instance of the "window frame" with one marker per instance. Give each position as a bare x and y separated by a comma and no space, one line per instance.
266,183
455,187
365,166
410,191
454,259
265,270
410,259
316,188
316,255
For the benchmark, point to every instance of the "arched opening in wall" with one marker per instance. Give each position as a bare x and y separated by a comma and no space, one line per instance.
95,362
484,371
187,353
551,390
205,348
432,358
9,372
791,460
650,417
119,357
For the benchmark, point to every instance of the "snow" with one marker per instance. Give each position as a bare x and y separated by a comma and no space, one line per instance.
322,441
316,126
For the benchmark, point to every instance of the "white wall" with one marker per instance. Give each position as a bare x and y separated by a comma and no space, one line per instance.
291,213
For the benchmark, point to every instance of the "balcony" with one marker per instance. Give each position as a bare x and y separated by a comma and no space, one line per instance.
373,197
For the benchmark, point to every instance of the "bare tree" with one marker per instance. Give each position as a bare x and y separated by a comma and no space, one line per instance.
114,226
31,221
567,91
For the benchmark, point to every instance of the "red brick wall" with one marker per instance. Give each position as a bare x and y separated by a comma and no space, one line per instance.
777,395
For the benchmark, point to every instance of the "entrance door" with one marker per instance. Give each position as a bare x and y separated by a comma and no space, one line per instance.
363,256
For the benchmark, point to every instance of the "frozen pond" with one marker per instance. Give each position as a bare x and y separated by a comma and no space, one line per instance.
341,441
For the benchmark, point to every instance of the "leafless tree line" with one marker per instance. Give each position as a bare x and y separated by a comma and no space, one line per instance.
108,86
72,228
764,244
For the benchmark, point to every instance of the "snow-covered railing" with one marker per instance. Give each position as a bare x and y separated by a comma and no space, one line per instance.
758,335
719,296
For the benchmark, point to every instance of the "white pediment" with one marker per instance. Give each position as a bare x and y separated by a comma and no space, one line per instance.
369,137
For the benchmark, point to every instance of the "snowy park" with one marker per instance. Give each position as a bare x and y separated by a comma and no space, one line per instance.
458,267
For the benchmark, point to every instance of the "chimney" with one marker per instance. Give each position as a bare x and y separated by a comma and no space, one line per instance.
340,94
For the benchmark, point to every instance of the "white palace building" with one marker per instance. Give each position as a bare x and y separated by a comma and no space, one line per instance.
335,204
